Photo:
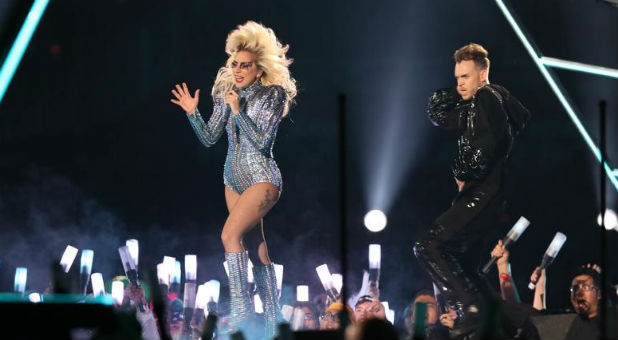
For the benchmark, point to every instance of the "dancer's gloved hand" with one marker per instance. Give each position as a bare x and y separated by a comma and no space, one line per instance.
184,99
231,99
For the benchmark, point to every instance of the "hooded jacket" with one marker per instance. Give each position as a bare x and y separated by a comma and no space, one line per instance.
488,124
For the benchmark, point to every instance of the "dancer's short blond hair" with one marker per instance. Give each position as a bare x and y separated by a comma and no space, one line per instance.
271,60
475,52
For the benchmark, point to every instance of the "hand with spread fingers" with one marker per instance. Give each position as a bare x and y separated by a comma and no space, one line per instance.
184,99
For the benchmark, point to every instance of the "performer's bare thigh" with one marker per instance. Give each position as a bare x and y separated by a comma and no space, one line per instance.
246,211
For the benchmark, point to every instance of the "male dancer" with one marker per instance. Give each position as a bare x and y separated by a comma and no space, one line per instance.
487,118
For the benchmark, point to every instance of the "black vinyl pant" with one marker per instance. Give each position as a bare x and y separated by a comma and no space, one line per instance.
449,251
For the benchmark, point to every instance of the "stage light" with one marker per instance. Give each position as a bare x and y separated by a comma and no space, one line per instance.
375,221
298,319
302,293
190,267
257,302
22,40
337,280
34,297
390,316
279,276
550,254
556,88
375,256
327,281
201,298
133,246
177,272
163,275
118,292
610,219
21,275
580,67
325,276
213,290
169,262
86,262
511,237
227,270
250,277
68,257
286,312
555,245
98,287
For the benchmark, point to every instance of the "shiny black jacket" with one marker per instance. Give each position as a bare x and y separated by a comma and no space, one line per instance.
488,124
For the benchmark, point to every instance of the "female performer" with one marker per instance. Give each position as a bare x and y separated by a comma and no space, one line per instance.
251,94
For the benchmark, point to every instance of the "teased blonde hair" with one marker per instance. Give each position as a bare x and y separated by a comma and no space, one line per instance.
271,60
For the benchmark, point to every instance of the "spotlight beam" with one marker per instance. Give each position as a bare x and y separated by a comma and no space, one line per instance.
557,88
21,43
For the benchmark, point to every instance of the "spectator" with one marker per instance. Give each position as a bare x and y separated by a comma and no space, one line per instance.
433,329
368,307
586,294
177,319
330,319
507,285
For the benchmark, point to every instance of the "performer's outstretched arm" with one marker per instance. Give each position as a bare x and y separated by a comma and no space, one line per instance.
271,113
209,133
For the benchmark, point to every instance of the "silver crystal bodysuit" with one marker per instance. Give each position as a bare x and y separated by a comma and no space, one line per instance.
250,134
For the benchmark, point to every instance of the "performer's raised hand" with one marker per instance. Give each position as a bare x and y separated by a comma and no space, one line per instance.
538,278
231,99
184,99
501,253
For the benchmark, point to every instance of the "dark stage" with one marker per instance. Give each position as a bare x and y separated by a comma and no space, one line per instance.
93,153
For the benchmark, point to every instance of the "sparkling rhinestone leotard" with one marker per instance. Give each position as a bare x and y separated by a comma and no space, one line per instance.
250,133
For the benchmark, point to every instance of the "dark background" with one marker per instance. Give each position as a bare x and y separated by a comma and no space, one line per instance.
92,152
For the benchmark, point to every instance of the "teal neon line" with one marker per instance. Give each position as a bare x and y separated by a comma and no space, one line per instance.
611,174
580,67
21,43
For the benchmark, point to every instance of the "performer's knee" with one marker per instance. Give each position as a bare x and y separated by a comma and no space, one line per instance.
230,239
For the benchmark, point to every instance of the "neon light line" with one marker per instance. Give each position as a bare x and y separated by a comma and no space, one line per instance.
21,43
580,67
557,91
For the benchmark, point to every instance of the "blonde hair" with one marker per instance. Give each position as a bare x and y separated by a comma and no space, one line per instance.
271,60
476,53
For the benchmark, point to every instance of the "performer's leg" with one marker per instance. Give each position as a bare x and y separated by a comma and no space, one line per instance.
263,270
254,239
231,198
246,210
255,242
451,236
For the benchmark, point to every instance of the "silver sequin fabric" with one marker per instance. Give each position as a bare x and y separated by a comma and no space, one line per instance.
251,135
